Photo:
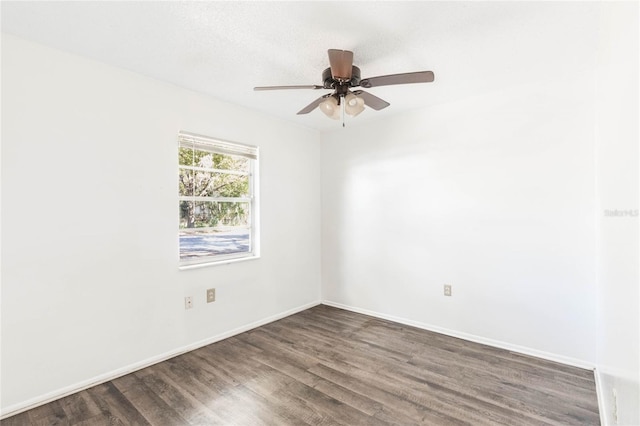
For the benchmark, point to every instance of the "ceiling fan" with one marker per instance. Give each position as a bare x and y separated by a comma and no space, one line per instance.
341,77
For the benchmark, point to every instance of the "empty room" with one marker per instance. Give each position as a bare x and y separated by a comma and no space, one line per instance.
322,213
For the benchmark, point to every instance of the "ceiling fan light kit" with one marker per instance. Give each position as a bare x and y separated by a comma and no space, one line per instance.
353,105
340,77
330,107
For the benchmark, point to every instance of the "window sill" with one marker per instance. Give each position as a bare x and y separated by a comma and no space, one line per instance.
217,263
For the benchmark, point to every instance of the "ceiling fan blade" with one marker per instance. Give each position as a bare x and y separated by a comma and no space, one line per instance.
313,105
310,86
341,62
406,78
371,100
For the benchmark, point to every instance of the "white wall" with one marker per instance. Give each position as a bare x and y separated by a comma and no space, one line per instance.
503,195
618,334
90,284
493,195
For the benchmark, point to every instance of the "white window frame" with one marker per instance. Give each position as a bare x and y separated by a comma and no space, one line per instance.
218,146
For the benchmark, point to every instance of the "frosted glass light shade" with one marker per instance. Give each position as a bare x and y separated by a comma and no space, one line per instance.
330,107
353,105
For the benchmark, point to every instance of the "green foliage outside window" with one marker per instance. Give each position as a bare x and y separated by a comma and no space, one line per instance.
213,175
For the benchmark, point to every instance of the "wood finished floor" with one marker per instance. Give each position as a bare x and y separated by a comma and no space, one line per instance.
327,366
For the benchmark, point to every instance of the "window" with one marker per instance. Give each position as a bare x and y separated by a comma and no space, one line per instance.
216,200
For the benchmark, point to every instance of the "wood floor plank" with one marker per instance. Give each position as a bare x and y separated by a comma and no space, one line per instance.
101,419
175,395
147,402
327,366
204,390
79,407
115,406
412,412
294,364
49,414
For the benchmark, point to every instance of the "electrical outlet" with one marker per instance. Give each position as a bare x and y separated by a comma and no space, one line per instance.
447,289
188,302
211,295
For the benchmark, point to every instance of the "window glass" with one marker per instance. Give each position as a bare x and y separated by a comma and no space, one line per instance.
216,200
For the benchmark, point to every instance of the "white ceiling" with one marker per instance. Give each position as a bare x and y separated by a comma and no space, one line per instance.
224,49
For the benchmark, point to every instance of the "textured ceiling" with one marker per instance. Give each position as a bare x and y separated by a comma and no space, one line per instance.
225,48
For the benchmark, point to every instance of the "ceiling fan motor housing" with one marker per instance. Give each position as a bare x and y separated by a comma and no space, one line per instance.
330,83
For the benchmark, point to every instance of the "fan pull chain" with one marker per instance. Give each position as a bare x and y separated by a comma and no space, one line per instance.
342,106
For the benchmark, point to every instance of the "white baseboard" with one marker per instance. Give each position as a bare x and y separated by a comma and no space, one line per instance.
103,378
600,394
470,337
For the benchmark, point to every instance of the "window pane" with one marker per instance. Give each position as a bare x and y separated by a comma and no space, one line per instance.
231,233
210,214
185,156
207,184
230,162
212,243
185,182
210,160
